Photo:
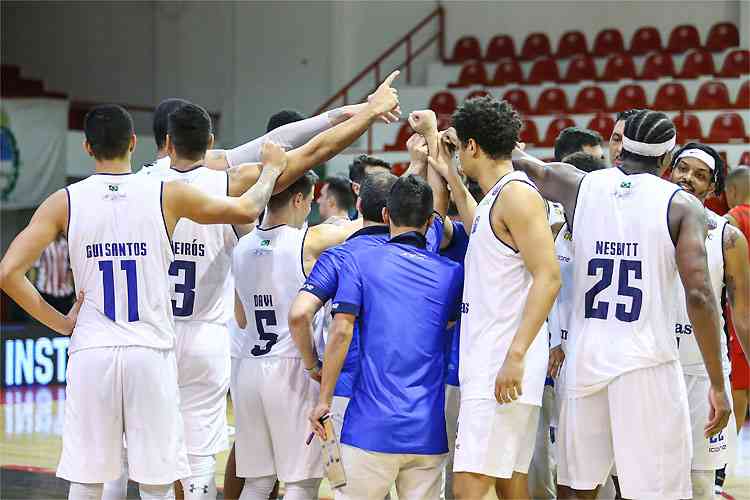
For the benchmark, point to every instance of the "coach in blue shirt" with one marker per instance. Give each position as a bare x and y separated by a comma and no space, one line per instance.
402,296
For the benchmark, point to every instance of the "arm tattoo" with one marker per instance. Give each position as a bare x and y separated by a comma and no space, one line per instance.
732,235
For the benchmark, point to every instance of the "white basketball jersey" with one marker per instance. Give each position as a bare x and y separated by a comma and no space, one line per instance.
624,277
690,354
496,286
267,265
120,254
200,274
157,167
559,316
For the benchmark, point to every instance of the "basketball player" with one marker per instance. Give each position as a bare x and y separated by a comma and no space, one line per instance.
738,198
273,262
510,261
615,140
119,228
394,427
573,139
699,170
634,228
336,200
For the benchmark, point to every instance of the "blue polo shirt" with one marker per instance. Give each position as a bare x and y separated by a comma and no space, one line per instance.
324,281
403,296
455,251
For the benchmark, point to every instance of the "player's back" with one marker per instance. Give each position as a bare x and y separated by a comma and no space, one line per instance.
559,316
200,273
120,253
624,272
267,267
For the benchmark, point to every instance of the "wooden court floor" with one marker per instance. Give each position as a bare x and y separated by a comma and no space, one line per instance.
32,422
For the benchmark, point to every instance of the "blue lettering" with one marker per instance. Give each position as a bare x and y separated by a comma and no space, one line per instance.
600,247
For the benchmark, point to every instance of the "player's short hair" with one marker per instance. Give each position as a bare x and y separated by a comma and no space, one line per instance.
739,176
573,139
649,127
585,161
624,115
189,128
304,185
108,129
358,168
283,117
373,194
161,118
410,202
340,189
717,174
493,124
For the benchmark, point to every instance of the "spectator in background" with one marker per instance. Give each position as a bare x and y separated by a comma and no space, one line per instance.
336,200
53,277
573,140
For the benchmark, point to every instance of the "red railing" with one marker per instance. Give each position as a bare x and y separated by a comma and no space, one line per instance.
374,68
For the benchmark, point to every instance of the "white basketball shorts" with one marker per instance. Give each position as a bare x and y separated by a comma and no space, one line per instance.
202,351
123,390
272,399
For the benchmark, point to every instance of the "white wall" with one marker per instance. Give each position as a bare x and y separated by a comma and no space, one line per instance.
518,18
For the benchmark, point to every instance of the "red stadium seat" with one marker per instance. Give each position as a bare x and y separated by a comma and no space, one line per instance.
500,47
399,168
477,93
472,73
466,49
604,124
443,103
712,95
519,99
555,127
619,67
645,40
552,101
743,96
608,42
543,70
697,63
736,63
688,128
508,71
571,43
535,45
400,143
529,133
683,38
629,97
727,127
671,97
580,68
590,100
658,65
722,36
745,158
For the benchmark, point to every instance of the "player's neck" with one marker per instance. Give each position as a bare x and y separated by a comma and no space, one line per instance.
184,164
398,230
369,223
282,217
120,166
639,168
492,172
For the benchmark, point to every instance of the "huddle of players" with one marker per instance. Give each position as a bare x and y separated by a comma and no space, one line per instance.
394,286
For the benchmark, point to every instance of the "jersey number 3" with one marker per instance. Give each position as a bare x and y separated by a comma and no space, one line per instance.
186,288
600,310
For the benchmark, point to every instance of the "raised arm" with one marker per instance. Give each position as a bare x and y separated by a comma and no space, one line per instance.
737,280
525,216
687,225
417,148
182,200
325,145
444,166
556,181
49,220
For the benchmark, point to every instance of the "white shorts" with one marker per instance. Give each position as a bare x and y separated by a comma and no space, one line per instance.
338,410
123,390
369,475
272,399
640,421
713,453
493,439
202,351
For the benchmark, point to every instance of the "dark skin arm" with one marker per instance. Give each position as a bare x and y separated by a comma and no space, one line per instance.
737,281
688,229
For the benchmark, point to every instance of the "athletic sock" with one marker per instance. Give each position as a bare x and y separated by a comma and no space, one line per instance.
201,485
89,491
302,490
156,491
258,488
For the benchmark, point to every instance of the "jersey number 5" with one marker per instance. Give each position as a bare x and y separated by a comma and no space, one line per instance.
269,316
600,310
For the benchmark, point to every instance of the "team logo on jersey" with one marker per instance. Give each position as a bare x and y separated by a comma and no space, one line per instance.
10,158
568,236
626,185
113,192
114,187
712,224
265,243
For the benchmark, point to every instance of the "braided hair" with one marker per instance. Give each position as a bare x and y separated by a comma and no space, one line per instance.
650,127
